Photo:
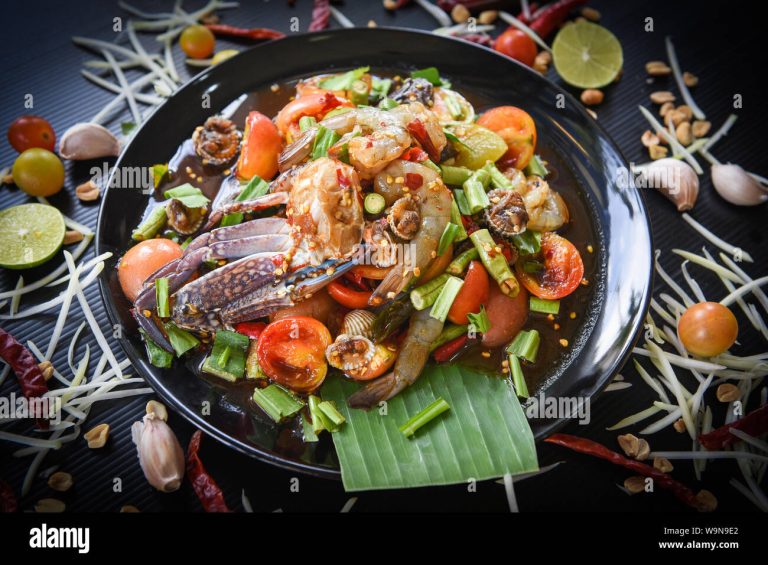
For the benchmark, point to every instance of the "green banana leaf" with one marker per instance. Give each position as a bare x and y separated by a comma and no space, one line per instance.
484,435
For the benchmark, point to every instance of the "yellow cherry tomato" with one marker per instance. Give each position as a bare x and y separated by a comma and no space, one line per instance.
197,41
707,329
38,172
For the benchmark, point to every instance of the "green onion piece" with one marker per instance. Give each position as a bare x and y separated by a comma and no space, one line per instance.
518,379
337,111
432,75
544,306
150,227
528,242
525,345
431,164
536,167
424,417
374,203
387,104
498,180
186,242
343,81
474,189
446,297
306,427
159,173
190,196
455,176
461,202
453,106
181,340
277,402
252,368
157,356
449,333
255,188
231,219
228,356
449,234
306,122
533,266
161,297
359,93
461,262
495,262
461,233
425,295
320,421
329,410
223,358
323,142
380,88
480,320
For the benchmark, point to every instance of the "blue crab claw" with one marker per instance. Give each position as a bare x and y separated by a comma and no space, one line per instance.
151,329
260,203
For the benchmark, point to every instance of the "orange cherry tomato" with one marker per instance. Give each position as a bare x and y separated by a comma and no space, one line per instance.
383,359
437,267
563,269
291,352
261,148
516,128
347,296
197,41
506,315
314,104
142,260
517,45
708,329
473,293
27,132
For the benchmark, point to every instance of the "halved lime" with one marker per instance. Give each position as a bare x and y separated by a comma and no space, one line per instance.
30,235
587,55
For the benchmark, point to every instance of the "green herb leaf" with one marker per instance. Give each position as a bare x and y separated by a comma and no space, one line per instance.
480,320
323,142
343,81
181,340
157,356
528,242
127,127
485,436
159,173
190,196
380,88
432,75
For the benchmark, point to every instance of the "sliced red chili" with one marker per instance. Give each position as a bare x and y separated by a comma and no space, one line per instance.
208,492
445,352
755,424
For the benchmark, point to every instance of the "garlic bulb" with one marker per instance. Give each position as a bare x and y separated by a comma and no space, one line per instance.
160,453
676,180
736,186
88,141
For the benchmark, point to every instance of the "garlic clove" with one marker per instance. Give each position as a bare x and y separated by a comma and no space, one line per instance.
736,186
160,454
676,180
88,141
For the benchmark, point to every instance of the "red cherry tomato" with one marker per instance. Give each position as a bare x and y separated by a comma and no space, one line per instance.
506,315
260,149
517,129
563,269
142,260
517,45
347,296
291,352
27,132
708,329
473,293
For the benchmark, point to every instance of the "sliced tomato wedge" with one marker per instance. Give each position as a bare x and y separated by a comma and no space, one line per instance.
291,352
347,296
473,293
563,269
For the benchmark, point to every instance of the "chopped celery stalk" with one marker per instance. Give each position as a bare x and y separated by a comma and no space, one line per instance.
460,263
306,427
323,141
228,355
480,320
461,202
306,122
536,167
446,297
374,203
157,356
495,262
181,340
449,333
329,410
449,234
498,180
518,379
161,297
455,176
150,227
461,233
359,93
474,189
425,295
190,196
525,345
277,402
544,306
424,417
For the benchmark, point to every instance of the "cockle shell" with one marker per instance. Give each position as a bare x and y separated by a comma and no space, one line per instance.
358,322
350,352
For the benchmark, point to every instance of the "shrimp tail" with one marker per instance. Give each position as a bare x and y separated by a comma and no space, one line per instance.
392,285
377,391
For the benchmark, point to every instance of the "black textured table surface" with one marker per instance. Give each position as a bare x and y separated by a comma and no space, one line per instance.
40,60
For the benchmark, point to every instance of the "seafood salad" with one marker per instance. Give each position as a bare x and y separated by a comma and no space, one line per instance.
372,226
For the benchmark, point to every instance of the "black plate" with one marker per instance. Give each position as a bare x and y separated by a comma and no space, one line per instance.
620,288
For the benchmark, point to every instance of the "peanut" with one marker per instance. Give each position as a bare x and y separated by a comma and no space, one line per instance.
683,134
72,236
700,128
487,17
635,485
592,97
657,68
649,139
690,79
590,14
662,96
728,392
60,481
88,191
460,13
657,152
97,437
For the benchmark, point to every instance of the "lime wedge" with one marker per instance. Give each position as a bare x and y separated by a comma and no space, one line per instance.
30,235
587,55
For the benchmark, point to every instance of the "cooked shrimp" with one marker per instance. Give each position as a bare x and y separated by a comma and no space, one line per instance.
416,182
424,126
422,332
546,208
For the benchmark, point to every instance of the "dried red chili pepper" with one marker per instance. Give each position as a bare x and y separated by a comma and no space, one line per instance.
24,364
415,154
8,502
206,489
755,423
479,38
321,15
256,33
549,18
665,481
445,352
